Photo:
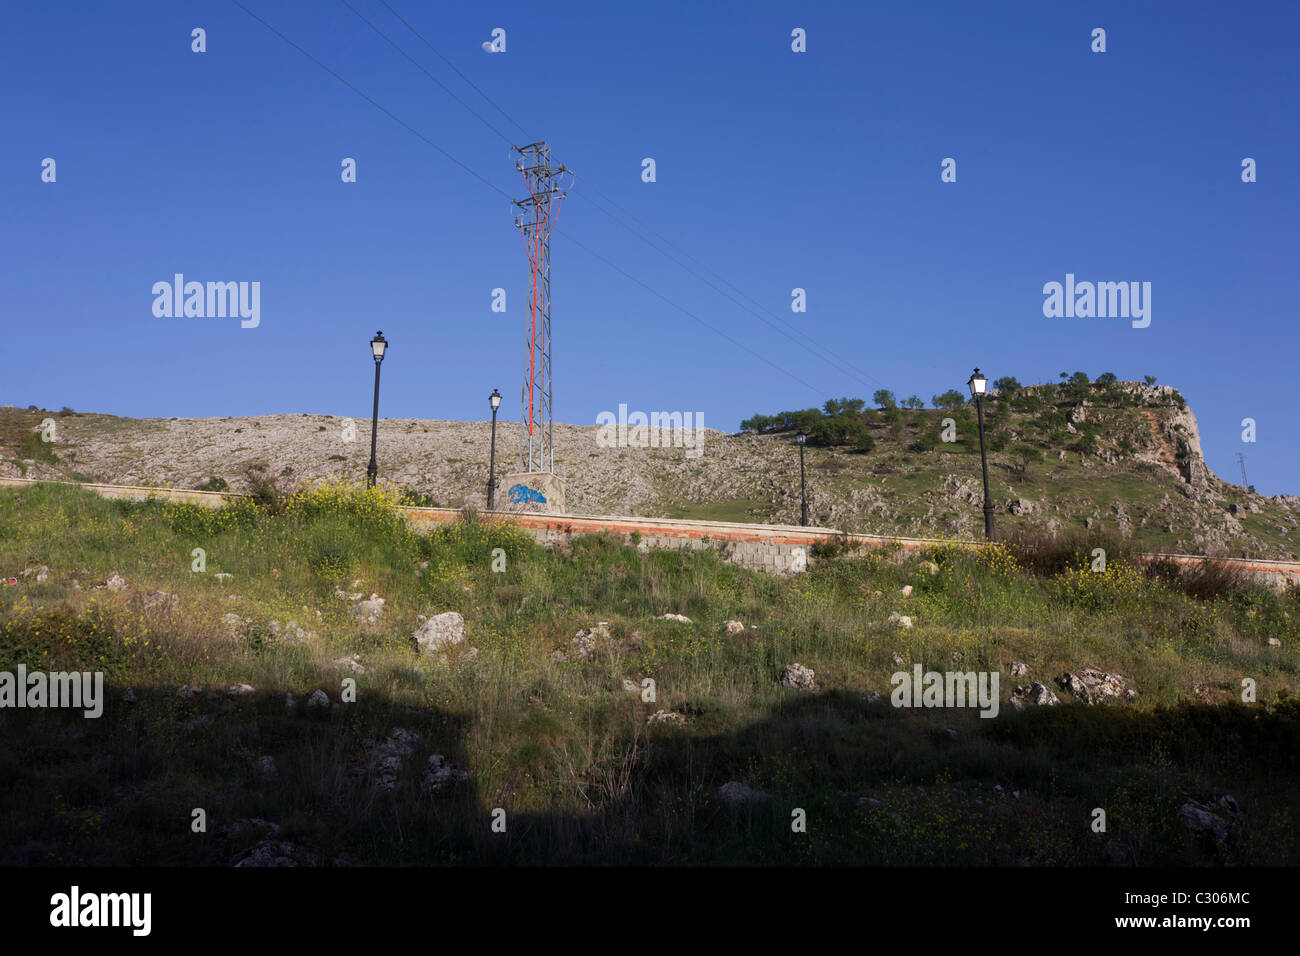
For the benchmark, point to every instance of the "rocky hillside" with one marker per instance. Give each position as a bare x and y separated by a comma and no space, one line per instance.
1123,458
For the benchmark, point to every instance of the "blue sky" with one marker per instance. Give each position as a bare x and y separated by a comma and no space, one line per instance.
775,170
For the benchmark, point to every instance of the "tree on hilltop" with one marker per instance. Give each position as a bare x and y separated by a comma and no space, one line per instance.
1007,384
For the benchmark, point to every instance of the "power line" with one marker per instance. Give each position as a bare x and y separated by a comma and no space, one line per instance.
813,349
386,112
501,191
849,370
489,99
445,88
688,312
808,344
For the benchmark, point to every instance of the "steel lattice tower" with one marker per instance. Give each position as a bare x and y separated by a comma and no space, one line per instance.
535,219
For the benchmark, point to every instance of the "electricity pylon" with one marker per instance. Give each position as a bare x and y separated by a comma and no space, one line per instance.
536,219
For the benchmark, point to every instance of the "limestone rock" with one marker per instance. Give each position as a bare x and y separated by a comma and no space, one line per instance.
588,640
351,664
1200,819
278,853
440,775
290,633
737,794
317,699
440,632
799,677
386,758
369,610
1042,695
1091,685
163,600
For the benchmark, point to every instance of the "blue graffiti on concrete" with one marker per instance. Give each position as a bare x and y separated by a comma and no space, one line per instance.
522,493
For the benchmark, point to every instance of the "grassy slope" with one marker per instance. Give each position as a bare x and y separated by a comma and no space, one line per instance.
898,488
911,481
565,750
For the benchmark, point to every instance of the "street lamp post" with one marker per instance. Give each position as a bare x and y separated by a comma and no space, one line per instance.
495,401
978,384
801,438
378,345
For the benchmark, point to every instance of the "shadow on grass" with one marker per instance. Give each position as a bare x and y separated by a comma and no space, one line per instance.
825,778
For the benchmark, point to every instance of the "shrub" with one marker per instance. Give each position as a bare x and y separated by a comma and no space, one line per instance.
1048,554
416,499
1210,580
194,521
374,509
1026,401
1007,384
213,484
831,547
1052,418
1024,454
926,441
265,490
836,406
1086,443
37,449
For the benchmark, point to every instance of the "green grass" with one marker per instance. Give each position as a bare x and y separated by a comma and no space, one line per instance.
1066,491
564,750
740,510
